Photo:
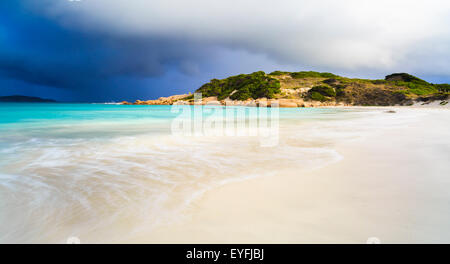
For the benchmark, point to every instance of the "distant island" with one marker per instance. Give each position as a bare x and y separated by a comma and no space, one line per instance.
24,99
311,89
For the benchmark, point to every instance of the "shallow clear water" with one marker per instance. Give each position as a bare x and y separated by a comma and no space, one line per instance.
105,173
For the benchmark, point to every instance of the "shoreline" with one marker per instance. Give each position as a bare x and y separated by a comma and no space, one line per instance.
281,103
377,190
337,176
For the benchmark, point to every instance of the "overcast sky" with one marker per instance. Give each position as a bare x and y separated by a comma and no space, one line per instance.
104,50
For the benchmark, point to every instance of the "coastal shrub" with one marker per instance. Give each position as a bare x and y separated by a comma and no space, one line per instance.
417,88
317,96
405,77
321,93
445,88
242,87
344,80
189,97
330,81
242,94
312,74
304,74
378,81
340,90
405,92
324,90
277,73
412,83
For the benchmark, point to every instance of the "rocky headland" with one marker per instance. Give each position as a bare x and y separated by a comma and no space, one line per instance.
310,89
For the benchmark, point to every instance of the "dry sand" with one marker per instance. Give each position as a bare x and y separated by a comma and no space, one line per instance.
392,185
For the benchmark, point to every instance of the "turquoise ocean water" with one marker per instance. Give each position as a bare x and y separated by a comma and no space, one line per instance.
108,172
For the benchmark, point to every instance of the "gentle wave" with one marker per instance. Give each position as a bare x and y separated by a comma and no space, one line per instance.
115,180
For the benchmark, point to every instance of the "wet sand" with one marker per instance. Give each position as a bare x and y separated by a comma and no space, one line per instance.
392,185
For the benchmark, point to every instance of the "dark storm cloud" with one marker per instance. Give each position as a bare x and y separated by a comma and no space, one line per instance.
42,57
137,49
352,36
42,52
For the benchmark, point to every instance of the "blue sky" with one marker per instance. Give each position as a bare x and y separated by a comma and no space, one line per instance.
98,50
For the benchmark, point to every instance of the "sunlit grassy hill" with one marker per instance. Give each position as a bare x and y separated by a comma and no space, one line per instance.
397,88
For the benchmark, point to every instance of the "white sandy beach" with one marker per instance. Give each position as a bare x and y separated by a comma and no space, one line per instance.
337,175
224,122
392,185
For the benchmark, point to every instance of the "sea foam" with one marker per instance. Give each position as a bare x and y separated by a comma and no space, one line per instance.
104,179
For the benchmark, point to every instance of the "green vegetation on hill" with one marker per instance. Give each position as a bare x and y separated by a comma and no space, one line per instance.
242,87
443,88
321,93
405,77
325,90
397,88
417,89
413,84
312,74
305,74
